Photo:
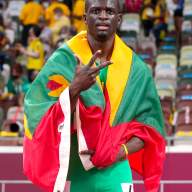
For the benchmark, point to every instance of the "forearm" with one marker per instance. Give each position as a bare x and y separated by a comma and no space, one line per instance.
74,95
31,54
134,144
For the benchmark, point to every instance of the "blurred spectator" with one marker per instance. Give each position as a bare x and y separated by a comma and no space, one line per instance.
62,22
4,41
46,33
4,11
4,68
178,17
18,83
9,31
18,86
1,18
13,125
34,52
77,15
15,55
46,37
64,35
29,16
147,14
3,88
6,27
10,93
49,13
160,20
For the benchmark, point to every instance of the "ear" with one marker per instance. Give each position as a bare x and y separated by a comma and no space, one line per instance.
119,19
85,18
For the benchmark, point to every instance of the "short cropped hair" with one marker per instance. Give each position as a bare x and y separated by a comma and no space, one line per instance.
87,2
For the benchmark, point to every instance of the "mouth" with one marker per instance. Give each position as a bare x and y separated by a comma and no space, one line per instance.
102,27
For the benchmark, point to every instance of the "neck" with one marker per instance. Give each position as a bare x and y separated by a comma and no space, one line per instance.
106,47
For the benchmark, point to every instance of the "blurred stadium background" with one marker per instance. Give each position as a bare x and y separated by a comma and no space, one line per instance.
160,31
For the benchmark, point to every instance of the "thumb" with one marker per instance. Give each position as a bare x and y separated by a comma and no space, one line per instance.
78,60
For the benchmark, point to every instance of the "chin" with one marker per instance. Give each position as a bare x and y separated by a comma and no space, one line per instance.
103,36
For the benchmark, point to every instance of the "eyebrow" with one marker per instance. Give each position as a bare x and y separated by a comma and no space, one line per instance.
98,7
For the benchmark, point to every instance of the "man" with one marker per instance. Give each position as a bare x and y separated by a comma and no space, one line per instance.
110,95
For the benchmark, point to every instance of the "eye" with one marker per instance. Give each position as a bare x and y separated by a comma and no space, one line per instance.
110,12
95,11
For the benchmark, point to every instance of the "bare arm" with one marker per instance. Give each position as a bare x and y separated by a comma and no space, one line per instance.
133,145
33,54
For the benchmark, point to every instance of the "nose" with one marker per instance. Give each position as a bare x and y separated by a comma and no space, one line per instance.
103,14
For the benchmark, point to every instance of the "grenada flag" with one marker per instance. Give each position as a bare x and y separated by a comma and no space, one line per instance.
107,117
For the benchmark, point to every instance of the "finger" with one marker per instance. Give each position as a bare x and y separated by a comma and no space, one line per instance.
104,64
94,57
94,72
93,81
78,60
87,152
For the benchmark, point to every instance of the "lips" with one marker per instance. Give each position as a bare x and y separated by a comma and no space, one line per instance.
102,26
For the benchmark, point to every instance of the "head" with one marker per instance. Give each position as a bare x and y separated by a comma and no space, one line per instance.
58,13
16,71
42,23
34,32
102,18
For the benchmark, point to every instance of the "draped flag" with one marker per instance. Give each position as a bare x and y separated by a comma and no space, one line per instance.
126,106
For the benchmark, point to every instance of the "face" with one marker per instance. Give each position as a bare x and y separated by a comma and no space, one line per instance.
102,18
15,74
31,34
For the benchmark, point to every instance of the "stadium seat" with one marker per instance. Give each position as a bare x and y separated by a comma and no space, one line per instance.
183,124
